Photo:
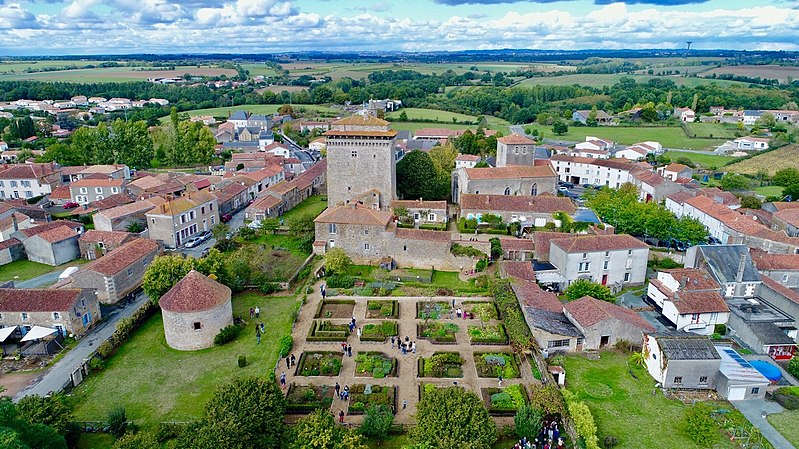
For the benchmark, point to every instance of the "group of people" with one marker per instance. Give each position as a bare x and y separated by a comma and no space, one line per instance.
342,394
290,361
255,312
548,438
347,348
405,346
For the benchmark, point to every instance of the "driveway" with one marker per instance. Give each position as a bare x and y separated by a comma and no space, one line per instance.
755,411
58,376
40,281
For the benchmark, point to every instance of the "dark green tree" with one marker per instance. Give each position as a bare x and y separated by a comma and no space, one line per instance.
527,422
560,128
18,432
377,422
453,418
583,287
750,202
786,177
319,430
51,411
163,273
733,182
417,177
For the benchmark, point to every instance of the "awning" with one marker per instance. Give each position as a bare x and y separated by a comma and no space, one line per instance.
5,332
38,332
549,277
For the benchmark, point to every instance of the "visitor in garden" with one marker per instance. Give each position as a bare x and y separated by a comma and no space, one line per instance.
500,380
341,416
404,350
288,362
257,335
404,404
359,332
459,312
257,312
283,379
392,340
349,351
252,313
413,347
344,347
324,293
293,360
338,391
263,328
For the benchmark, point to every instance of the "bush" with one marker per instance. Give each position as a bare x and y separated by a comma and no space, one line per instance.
242,361
788,397
340,281
720,329
528,421
611,441
286,343
793,367
227,334
699,425
117,421
467,251
583,420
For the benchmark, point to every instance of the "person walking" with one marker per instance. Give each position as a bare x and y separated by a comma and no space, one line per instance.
257,312
459,312
252,313
341,416
258,335
288,362
324,293
359,332
338,391
404,404
283,380
413,347
293,360
500,380
349,351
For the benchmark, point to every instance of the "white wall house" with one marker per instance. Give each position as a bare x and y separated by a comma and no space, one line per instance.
751,143
28,180
615,260
600,172
690,299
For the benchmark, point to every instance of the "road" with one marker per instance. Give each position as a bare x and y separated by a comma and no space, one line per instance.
40,281
235,223
58,376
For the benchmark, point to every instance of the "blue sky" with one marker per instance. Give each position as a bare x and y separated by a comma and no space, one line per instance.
37,27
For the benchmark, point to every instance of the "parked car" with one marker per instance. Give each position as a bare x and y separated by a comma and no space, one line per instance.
205,235
205,252
226,218
193,241
255,224
70,205
713,241
568,185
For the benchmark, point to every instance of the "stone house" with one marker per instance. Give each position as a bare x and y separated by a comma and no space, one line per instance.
194,311
286,192
71,311
599,172
264,207
121,217
781,268
530,180
28,180
11,250
265,177
543,312
681,360
423,212
53,243
653,187
113,171
466,160
231,197
515,149
675,171
730,265
604,323
176,220
530,211
93,243
690,299
521,250
118,273
12,221
89,190
615,260
311,181
786,220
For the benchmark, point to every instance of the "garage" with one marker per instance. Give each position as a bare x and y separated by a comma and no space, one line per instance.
736,393
738,378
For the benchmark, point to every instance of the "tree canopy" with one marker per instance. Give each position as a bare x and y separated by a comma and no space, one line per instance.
417,177
584,287
319,430
453,418
21,431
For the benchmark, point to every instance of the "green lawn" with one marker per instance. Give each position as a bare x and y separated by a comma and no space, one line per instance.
786,423
430,114
709,161
22,270
95,441
668,136
599,80
155,383
415,126
313,206
711,130
632,413
263,109
769,190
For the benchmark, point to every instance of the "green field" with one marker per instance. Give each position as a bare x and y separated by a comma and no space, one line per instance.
769,191
8,66
711,130
263,109
770,162
632,413
668,136
431,114
786,424
708,161
415,126
155,382
115,74
22,270
599,80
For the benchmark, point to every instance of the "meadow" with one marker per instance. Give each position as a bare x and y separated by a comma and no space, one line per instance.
711,130
668,136
264,109
769,163
114,74
709,161
600,80
763,71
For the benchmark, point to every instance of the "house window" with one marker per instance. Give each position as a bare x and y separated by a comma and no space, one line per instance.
13,183
24,316
694,318
605,265
197,325
99,197
626,277
558,343
405,247
331,228
431,217
507,190
607,253
785,278
702,380
82,190
714,316
56,316
365,246
130,271
534,190
98,190
629,252
365,232
585,255
114,189
755,390
678,380
585,266
354,153
28,194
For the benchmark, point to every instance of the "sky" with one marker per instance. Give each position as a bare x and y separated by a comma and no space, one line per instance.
76,27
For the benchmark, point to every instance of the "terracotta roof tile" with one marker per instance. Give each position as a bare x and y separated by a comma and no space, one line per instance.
515,139
419,204
57,234
132,208
8,243
534,296
37,300
60,193
194,293
517,244
519,270
542,239
27,171
517,203
98,182
354,213
511,172
675,167
789,216
595,243
281,188
115,238
423,234
588,311
468,158
766,261
123,257
264,203
781,289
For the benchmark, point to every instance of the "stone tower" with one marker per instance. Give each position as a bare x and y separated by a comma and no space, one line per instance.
515,149
360,159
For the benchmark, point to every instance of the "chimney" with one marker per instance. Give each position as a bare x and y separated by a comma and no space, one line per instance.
14,222
741,265
683,281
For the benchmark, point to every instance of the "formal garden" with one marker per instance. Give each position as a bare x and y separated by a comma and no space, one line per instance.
382,309
442,364
437,332
375,364
319,364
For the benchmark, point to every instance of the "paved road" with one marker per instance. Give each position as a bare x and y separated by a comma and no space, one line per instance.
754,410
235,223
40,281
58,376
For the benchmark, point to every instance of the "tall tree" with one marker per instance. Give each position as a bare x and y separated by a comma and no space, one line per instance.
417,177
453,418
319,431
163,273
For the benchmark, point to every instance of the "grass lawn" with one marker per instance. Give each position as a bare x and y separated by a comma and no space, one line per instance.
599,80
263,109
668,136
430,114
312,206
95,441
716,130
769,190
415,126
708,161
631,413
155,382
786,424
22,270
284,241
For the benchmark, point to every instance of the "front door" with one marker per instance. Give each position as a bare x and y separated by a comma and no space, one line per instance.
604,279
604,341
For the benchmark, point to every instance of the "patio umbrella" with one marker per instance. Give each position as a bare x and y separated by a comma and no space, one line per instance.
38,332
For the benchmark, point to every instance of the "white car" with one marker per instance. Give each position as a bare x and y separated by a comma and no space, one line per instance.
193,241
254,225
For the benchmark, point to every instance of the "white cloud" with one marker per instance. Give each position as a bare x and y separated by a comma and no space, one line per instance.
13,16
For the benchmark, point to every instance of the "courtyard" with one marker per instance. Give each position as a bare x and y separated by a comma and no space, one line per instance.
471,351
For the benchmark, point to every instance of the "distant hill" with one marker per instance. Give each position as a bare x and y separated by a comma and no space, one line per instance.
787,156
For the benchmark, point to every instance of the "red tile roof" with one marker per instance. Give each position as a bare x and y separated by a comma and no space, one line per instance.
8,243
544,204
423,234
534,296
519,270
595,243
30,232
781,289
264,203
354,213
468,158
789,216
27,171
194,293
675,167
517,244
37,300
123,257
58,234
515,139
60,193
541,239
98,182
511,172
419,204
693,278
264,173
780,262
115,238
588,311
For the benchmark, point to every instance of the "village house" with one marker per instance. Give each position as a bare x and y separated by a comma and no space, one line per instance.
12,221
738,380
423,212
543,312
518,249
781,268
529,180
632,153
121,218
467,160
762,327
318,144
28,180
786,220
113,171
604,323
286,192
690,299
615,260
53,243
176,220
682,360
118,273
69,311
652,187
749,143
265,207
599,172
730,265
93,243
88,190
231,196
602,117
685,114
530,211
265,177
675,171
595,144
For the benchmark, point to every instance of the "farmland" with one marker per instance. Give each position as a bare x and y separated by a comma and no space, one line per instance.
669,137
114,74
711,130
431,114
763,71
265,109
708,160
599,80
769,163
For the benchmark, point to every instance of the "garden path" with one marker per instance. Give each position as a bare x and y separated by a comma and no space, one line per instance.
407,380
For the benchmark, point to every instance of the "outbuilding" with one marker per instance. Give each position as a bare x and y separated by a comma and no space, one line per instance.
739,380
194,311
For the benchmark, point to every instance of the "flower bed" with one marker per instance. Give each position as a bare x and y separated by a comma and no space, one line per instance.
327,331
492,364
307,398
375,364
432,310
321,363
364,396
441,364
335,308
379,331
477,308
382,309
504,401
488,335
439,333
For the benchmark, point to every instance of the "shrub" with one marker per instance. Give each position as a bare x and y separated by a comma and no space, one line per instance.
286,343
459,250
611,441
227,334
528,421
377,422
583,420
793,367
340,281
117,421
720,329
699,425
242,361
788,397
